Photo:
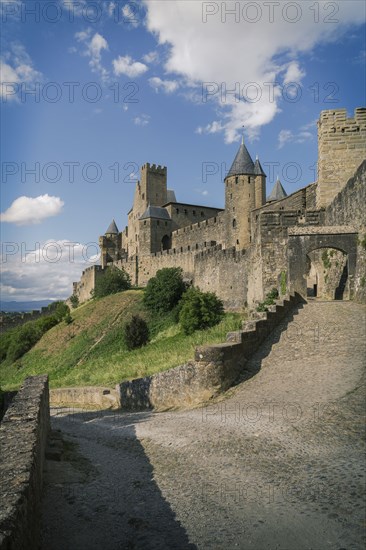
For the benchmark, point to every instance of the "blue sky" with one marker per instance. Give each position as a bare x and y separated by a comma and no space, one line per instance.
118,84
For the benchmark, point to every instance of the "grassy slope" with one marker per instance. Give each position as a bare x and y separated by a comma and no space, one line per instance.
91,351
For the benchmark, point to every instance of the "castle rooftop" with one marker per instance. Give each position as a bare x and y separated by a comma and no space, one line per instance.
243,163
112,229
278,192
258,170
155,212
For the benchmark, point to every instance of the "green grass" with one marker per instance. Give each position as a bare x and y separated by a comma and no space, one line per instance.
91,350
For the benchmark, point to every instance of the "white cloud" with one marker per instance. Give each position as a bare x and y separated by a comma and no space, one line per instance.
303,135
94,46
294,73
126,65
212,128
167,86
224,51
142,120
32,271
130,16
16,68
283,137
28,210
151,57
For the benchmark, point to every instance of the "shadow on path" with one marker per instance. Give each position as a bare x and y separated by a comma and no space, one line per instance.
102,493
254,364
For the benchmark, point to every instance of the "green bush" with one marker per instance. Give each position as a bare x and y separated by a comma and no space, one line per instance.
23,340
46,323
5,341
136,333
271,297
164,291
113,280
199,310
60,310
74,301
68,319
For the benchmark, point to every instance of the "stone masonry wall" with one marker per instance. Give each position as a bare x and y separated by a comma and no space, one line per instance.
224,272
348,208
342,148
214,369
195,235
23,435
84,287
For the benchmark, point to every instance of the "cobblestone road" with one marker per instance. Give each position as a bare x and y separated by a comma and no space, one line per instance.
277,464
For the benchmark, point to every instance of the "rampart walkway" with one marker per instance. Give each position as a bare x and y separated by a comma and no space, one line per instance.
278,464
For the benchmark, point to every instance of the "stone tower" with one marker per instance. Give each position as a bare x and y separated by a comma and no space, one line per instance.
110,245
150,191
341,150
245,189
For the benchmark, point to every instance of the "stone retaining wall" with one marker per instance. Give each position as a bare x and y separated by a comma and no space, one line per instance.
214,369
89,396
23,435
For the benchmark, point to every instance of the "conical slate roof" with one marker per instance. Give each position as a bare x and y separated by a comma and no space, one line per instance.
258,170
243,164
112,229
278,192
155,212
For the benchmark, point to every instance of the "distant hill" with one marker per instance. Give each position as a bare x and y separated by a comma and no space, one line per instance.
23,306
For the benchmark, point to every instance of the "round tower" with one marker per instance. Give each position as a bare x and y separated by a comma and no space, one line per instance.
245,186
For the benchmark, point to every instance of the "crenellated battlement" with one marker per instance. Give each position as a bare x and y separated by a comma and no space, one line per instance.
342,147
157,168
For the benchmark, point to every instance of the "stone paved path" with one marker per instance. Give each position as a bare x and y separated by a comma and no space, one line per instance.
278,464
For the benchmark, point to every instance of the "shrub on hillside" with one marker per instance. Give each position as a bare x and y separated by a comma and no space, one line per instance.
60,310
199,310
114,280
164,291
74,300
23,340
46,323
136,333
5,343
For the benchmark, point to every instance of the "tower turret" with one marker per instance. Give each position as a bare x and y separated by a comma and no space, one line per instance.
245,186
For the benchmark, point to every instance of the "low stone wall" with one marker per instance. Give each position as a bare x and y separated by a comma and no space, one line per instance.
23,435
214,369
88,397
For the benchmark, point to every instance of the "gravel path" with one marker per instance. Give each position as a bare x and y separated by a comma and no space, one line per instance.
278,464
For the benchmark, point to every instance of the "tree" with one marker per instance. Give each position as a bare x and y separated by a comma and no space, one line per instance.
136,333
199,310
60,310
164,291
74,300
113,280
23,340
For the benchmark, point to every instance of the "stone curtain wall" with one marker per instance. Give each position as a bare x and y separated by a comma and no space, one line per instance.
214,369
348,207
199,233
342,147
224,272
303,199
23,435
83,288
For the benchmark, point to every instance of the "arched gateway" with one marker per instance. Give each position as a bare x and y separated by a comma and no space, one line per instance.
318,254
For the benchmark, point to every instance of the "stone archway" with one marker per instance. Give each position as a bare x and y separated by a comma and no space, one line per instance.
323,258
327,274
166,242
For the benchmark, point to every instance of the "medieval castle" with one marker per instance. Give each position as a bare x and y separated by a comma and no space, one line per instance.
308,242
